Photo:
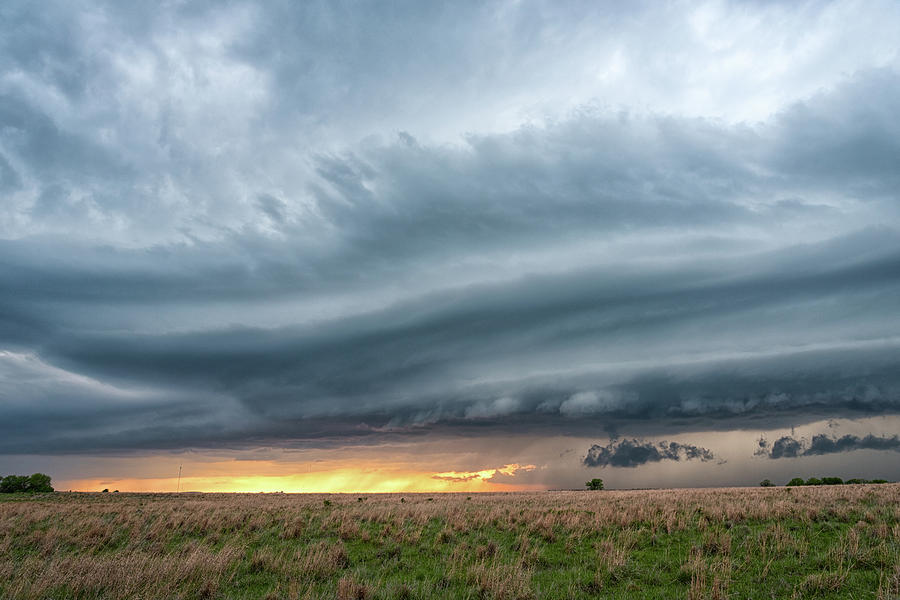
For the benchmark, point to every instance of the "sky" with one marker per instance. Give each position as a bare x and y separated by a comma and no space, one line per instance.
468,246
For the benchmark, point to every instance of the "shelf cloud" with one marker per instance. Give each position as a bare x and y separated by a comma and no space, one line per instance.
332,225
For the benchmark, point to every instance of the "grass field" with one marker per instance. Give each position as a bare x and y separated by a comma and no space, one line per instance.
817,542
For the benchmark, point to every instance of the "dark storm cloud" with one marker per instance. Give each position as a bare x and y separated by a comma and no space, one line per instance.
633,453
227,226
823,444
407,363
790,447
783,447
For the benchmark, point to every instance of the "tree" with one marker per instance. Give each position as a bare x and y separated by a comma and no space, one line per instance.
594,484
766,483
39,482
14,483
796,481
832,481
813,481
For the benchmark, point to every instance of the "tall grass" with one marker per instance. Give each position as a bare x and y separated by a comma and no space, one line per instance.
826,542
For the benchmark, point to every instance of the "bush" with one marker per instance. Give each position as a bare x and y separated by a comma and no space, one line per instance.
796,481
832,481
813,481
766,483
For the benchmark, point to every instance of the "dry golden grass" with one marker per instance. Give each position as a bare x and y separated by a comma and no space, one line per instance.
710,543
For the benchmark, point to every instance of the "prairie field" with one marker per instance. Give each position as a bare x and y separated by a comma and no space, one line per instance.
810,542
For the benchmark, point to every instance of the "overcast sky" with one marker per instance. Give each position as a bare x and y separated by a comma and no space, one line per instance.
549,235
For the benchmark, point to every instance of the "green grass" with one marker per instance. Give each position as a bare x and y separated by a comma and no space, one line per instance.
810,544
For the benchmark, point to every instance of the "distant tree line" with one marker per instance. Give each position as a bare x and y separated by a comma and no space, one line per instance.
823,481
831,481
38,482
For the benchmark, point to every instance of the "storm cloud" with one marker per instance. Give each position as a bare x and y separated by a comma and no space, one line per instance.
633,453
275,224
790,447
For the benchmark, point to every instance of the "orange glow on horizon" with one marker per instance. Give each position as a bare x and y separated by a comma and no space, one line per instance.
338,480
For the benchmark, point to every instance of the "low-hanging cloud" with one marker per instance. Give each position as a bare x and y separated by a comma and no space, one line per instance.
633,453
820,444
504,474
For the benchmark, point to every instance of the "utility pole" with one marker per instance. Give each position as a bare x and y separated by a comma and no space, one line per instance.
178,490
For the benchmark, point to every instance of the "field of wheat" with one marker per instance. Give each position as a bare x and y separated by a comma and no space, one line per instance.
823,542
